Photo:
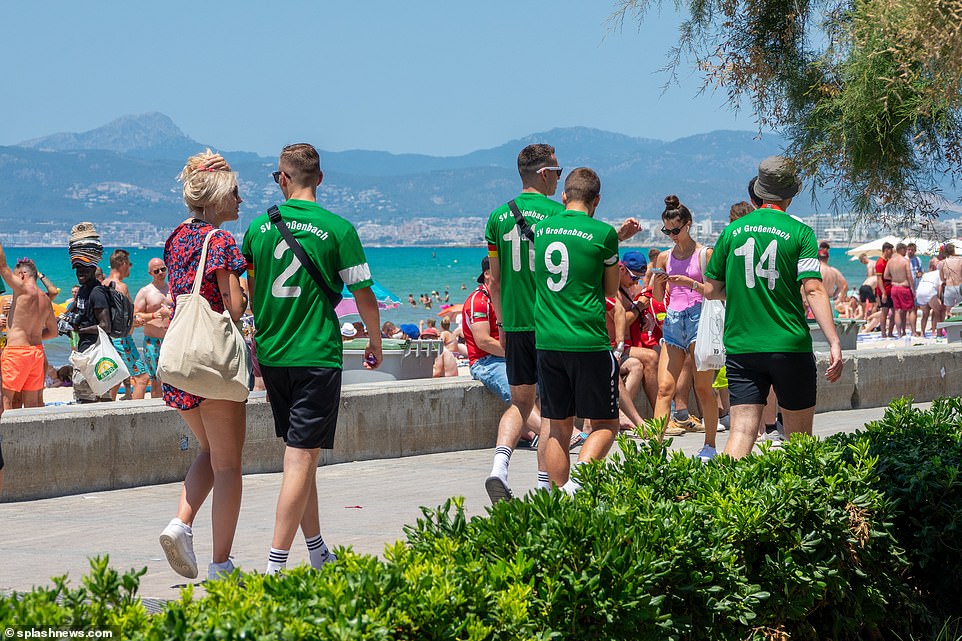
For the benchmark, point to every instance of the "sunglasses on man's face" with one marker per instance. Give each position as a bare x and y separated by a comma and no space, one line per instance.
672,232
159,270
276,175
557,170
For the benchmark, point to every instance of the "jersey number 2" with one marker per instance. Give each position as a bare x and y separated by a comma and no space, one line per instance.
278,288
769,272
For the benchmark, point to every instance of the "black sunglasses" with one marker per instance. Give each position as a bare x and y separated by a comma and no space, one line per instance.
159,270
672,232
276,175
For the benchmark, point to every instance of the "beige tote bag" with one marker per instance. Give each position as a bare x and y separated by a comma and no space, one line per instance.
204,352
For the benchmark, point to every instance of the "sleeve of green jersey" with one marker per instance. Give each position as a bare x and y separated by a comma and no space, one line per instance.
611,246
353,268
246,247
715,269
808,255
490,230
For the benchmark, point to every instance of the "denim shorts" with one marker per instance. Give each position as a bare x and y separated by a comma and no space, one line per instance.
681,327
491,371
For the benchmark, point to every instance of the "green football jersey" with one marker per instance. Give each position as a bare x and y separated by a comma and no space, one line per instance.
515,257
296,324
762,259
572,251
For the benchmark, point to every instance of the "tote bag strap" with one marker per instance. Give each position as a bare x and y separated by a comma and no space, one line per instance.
199,276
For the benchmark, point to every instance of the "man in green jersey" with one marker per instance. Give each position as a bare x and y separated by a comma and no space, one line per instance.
511,254
298,337
576,268
758,263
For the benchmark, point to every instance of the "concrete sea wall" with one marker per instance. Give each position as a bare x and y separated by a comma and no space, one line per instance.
84,448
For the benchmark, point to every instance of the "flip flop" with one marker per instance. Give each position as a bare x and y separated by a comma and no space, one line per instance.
497,489
577,440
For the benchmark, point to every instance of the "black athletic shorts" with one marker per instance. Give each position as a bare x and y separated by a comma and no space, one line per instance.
581,384
520,358
792,374
866,293
887,303
304,402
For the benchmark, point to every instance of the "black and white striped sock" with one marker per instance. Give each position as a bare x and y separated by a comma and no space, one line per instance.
318,550
277,560
502,457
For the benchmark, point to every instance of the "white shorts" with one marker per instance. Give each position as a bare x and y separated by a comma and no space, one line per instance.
952,296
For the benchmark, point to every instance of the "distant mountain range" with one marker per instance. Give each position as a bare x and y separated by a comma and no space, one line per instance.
126,169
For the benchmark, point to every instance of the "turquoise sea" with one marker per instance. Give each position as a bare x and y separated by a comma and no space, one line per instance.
402,270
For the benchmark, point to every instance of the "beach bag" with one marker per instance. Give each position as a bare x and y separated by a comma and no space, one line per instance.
121,312
100,365
710,339
204,352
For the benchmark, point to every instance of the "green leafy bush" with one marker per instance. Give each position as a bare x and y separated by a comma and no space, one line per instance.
834,539
919,458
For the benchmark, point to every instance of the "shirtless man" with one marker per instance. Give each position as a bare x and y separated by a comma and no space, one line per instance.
950,270
29,323
899,271
883,289
119,270
832,279
152,311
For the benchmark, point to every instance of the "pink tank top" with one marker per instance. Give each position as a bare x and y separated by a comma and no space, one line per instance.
681,297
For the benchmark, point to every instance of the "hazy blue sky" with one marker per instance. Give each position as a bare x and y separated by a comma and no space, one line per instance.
430,77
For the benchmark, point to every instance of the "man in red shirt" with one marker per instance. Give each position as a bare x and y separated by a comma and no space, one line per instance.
480,327
883,289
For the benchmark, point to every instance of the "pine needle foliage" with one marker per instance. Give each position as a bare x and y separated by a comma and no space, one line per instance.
868,92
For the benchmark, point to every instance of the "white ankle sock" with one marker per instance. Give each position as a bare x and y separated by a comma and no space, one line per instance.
319,552
502,457
544,483
276,560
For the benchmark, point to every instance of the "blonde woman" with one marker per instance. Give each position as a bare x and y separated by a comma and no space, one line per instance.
211,195
679,275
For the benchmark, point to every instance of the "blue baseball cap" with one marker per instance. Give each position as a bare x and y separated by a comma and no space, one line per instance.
635,261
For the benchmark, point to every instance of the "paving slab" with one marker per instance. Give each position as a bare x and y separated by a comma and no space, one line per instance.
364,504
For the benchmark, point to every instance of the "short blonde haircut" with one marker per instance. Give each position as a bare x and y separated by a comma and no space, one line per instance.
203,188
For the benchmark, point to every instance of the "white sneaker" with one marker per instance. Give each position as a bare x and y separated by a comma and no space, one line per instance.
178,544
218,571
706,453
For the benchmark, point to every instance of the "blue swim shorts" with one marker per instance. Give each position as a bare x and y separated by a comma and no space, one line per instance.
681,327
130,355
151,354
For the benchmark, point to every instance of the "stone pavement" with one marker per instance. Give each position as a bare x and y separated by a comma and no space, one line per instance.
363,504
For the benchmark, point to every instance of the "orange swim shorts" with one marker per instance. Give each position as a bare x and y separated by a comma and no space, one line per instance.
21,368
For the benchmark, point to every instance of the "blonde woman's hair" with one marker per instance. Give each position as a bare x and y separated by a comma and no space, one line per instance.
203,187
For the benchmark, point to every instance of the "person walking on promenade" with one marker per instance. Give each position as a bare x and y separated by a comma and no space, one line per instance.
302,367
576,269
680,277
29,323
120,266
758,263
211,194
900,273
511,253
152,308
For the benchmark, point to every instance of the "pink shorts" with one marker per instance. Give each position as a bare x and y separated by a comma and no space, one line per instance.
902,297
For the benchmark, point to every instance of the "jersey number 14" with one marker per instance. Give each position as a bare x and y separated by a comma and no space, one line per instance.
764,269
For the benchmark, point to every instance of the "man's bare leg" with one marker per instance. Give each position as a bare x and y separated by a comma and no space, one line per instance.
553,447
300,467
32,398
798,421
510,426
744,426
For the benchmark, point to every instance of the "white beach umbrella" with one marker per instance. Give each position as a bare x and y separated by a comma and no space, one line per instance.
873,249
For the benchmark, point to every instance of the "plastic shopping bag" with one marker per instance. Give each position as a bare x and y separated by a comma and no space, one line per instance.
100,365
710,340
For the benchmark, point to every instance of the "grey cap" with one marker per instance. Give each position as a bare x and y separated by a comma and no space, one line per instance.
777,179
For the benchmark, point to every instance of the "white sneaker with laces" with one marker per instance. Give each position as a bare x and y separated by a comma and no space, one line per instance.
218,571
706,453
178,543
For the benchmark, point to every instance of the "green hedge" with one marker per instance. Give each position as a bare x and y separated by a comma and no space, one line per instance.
852,537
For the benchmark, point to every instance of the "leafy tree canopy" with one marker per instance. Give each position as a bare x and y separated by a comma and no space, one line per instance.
868,92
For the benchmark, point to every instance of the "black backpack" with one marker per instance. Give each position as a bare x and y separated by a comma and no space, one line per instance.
121,312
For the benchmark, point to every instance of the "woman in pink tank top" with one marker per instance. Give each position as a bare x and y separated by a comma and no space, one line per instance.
681,279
